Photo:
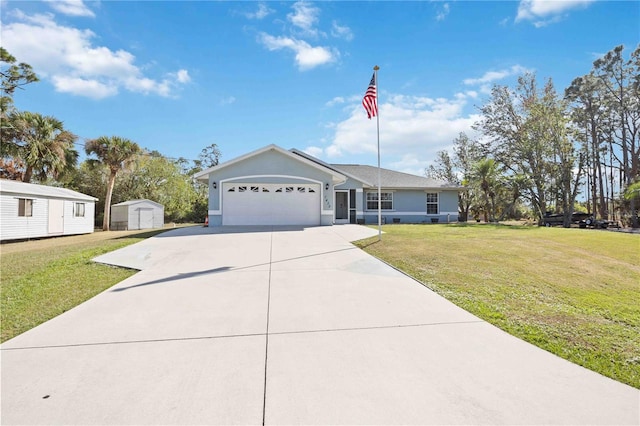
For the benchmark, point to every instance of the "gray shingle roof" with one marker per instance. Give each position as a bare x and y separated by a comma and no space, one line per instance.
16,187
391,178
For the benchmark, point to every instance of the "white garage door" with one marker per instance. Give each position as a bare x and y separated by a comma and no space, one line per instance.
270,204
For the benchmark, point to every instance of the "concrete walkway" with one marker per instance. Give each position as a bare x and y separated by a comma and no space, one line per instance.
286,326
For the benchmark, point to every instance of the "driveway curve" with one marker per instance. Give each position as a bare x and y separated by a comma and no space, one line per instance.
286,325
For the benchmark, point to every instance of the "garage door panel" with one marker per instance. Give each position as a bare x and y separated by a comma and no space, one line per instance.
271,204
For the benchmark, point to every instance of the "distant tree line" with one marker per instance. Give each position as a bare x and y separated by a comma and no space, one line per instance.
37,148
538,151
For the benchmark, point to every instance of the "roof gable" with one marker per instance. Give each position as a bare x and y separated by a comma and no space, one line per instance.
132,202
204,175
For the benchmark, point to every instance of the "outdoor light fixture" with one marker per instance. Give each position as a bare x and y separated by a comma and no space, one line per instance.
215,185
326,186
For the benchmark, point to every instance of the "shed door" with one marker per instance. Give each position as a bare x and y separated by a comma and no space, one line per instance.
56,217
146,218
270,204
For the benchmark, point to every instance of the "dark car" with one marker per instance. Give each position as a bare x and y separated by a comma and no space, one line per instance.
550,219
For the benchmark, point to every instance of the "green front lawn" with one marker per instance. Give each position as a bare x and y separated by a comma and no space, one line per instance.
573,292
44,278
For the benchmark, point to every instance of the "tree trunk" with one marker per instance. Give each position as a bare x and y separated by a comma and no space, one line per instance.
26,177
107,201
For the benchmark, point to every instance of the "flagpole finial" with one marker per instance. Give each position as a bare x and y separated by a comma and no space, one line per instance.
376,68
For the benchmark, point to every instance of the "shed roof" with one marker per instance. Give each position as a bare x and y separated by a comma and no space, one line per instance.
16,187
392,179
132,202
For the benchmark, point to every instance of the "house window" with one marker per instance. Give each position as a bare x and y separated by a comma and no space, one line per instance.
25,207
386,201
432,203
79,209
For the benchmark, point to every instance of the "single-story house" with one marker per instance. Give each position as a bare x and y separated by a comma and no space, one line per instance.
274,186
137,214
28,210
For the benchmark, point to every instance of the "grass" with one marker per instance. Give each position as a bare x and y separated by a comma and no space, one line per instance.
573,292
43,278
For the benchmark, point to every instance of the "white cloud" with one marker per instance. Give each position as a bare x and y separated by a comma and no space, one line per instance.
491,76
262,12
228,100
313,151
305,17
83,87
442,13
306,56
544,12
335,101
71,7
410,163
412,130
340,31
182,76
67,57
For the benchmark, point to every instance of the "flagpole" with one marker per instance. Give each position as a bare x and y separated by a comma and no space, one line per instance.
375,71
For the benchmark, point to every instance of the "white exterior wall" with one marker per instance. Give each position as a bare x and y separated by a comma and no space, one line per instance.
78,225
15,227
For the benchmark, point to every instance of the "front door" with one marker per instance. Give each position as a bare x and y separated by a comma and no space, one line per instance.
145,218
56,217
342,206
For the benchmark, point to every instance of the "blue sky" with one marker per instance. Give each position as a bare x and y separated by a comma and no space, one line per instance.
177,76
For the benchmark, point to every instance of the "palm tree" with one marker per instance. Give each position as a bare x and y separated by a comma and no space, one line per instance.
41,142
485,173
115,153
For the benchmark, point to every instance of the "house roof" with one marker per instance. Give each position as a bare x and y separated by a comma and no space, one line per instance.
329,166
391,179
132,202
367,175
16,187
204,175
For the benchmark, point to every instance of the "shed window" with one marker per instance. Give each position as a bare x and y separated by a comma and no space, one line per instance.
432,203
386,200
25,207
79,210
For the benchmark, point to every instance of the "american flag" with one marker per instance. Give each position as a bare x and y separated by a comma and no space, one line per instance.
370,102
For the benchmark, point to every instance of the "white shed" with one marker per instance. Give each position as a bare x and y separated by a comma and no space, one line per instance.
137,214
28,210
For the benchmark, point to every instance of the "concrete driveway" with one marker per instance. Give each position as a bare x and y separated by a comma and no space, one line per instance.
286,326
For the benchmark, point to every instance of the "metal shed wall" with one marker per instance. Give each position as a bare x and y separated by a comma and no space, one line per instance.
127,215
